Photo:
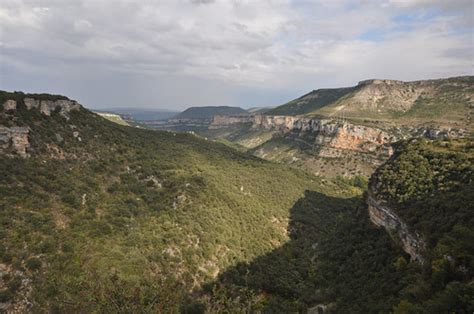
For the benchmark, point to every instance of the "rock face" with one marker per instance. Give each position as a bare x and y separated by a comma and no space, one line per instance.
9,105
335,136
383,216
46,107
382,95
221,121
14,140
341,135
329,134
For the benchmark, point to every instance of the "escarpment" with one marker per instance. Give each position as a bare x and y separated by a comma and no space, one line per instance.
330,136
14,135
383,216
14,141
46,107
423,194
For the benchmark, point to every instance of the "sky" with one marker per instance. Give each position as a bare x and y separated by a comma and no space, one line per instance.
179,53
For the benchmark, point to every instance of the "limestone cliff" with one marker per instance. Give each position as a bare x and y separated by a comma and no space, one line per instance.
224,121
383,95
14,140
46,107
382,216
14,137
330,135
446,102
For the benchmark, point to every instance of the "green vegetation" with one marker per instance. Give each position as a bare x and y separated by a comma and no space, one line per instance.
429,183
133,219
19,96
337,261
310,102
335,258
209,112
431,187
241,136
444,102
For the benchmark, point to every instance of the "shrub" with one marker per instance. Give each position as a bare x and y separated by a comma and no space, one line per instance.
33,263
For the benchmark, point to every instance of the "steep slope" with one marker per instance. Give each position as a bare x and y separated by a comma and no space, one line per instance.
101,217
208,112
113,117
429,186
310,102
446,102
326,147
424,197
433,109
338,262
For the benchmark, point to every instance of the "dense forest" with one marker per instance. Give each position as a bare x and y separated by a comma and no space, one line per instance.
109,218
337,261
104,217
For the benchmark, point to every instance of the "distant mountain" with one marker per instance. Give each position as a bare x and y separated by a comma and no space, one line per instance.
262,110
349,131
100,217
209,112
444,101
311,101
140,114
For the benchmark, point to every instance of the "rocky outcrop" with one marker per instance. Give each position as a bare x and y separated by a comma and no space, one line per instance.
331,136
223,121
14,140
9,105
383,216
434,133
342,135
334,136
46,107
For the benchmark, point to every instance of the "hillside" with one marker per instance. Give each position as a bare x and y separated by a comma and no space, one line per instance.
310,102
444,102
112,117
138,114
337,262
100,217
209,112
350,131
424,197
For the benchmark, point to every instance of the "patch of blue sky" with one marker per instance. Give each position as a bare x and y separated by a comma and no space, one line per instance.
373,34
417,16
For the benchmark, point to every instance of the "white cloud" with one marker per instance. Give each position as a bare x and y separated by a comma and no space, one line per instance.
244,47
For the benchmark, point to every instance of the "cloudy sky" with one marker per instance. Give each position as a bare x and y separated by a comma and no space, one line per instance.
180,53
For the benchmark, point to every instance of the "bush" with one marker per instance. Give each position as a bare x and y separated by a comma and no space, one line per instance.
5,296
33,263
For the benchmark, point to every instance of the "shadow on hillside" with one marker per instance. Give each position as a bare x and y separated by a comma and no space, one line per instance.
334,254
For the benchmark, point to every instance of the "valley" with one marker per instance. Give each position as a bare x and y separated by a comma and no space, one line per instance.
345,132
248,213
237,157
